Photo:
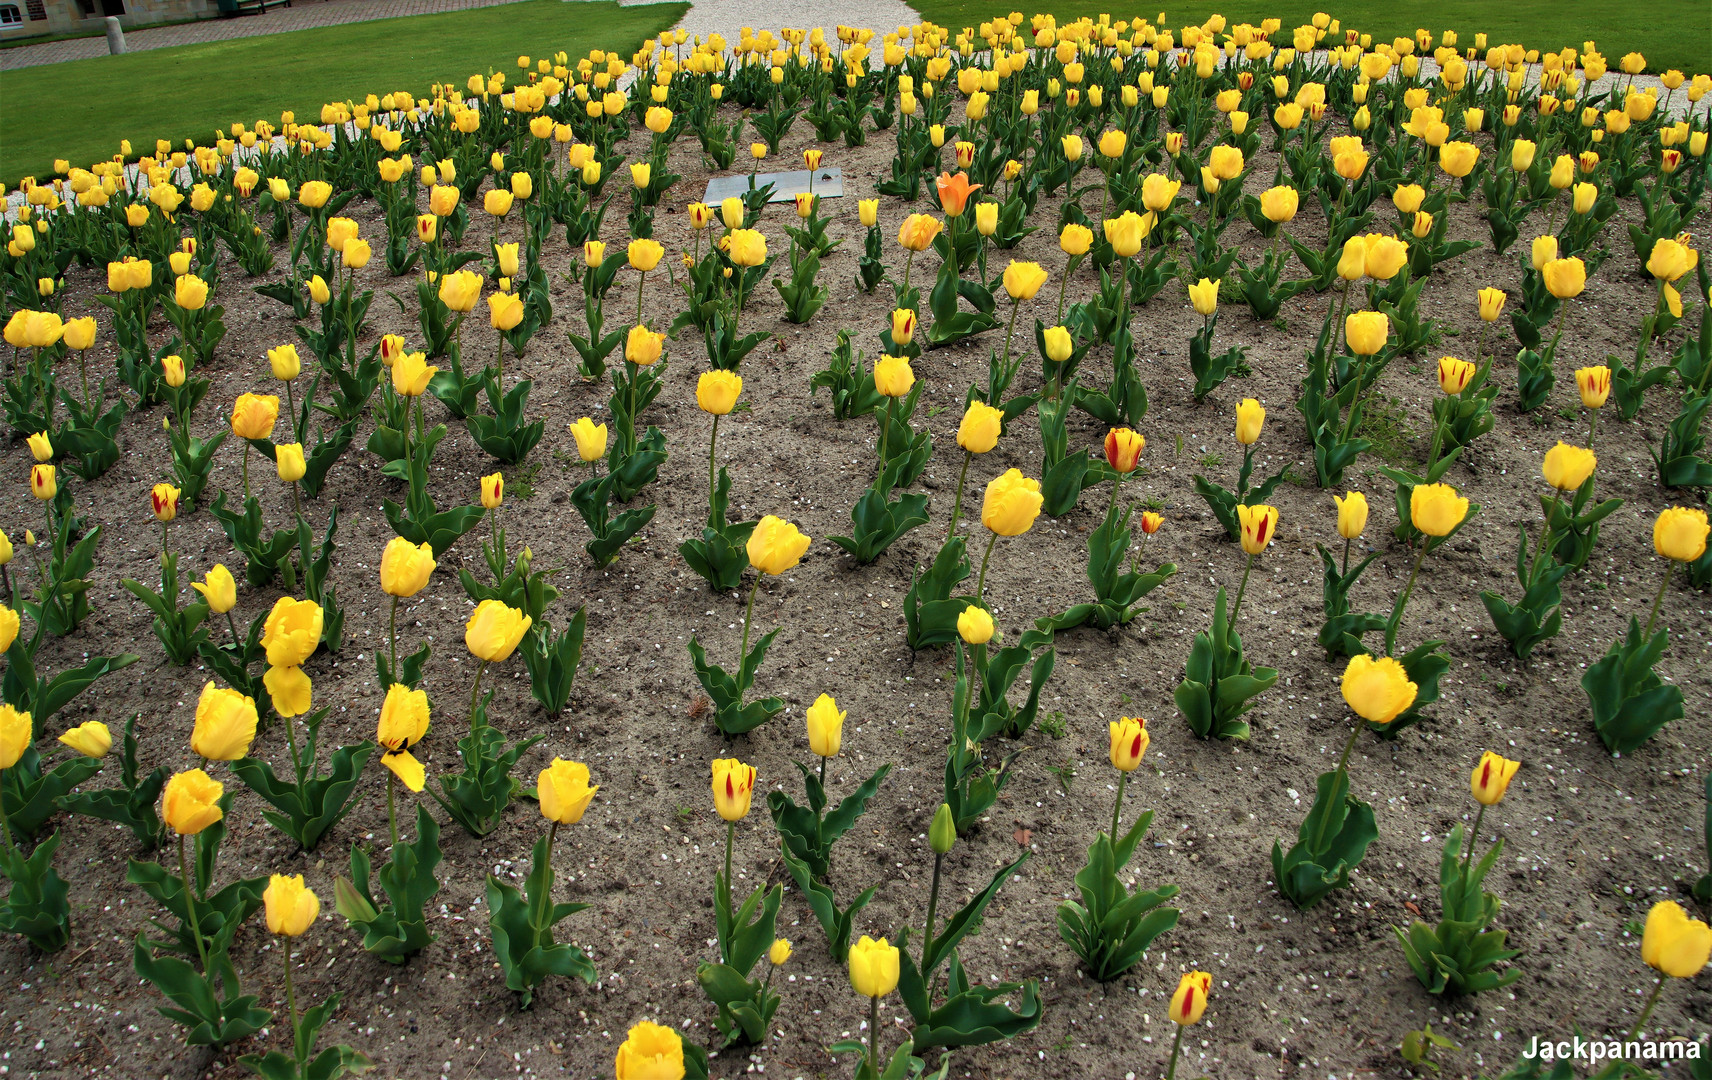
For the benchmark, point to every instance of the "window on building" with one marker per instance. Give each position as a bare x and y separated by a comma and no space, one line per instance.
10,15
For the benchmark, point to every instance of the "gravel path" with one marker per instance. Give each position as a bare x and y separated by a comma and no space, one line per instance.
275,21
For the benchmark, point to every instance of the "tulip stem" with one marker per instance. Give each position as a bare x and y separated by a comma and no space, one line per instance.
957,506
1347,541
1669,568
908,259
725,882
1403,601
246,470
190,906
392,632
1243,588
1063,283
1016,306
1473,836
1646,1013
713,441
1540,544
475,691
1592,426
1355,399
291,411
1337,331
874,1036
1117,806
932,914
747,614
885,433
981,582
6,827
823,774
236,643
1176,1044
391,814
291,999
640,278
547,893
296,506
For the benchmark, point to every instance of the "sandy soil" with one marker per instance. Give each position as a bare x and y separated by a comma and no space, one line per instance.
1592,841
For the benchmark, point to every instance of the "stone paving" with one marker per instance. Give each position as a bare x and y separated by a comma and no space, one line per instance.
279,20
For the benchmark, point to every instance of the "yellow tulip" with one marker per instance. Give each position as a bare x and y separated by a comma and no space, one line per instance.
1278,204
1491,303
1386,255
41,446
1011,504
1680,533
975,625
1377,690
1565,278
1190,999
405,567
291,905
980,429
1250,419
1024,279
44,482
775,545
590,437
779,952
650,1052
1567,467
191,802
288,461
292,631
1059,344
893,376
1366,331
1436,509
8,622
219,591
748,247
225,724
79,334
289,689
873,967
494,631
1204,295
645,254
1351,514
825,726
1594,384
643,346
1259,525
564,791
253,415
1129,741
1673,943
90,738
1458,158
717,391
284,362
903,326
1491,778
411,374
1454,374
918,231
733,784
1126,232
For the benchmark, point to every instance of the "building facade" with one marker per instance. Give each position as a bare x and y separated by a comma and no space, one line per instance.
30,18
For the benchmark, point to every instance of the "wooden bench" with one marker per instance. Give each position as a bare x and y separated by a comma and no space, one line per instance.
231,8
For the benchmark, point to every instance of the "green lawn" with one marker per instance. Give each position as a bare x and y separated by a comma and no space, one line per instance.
189,91
1671,33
